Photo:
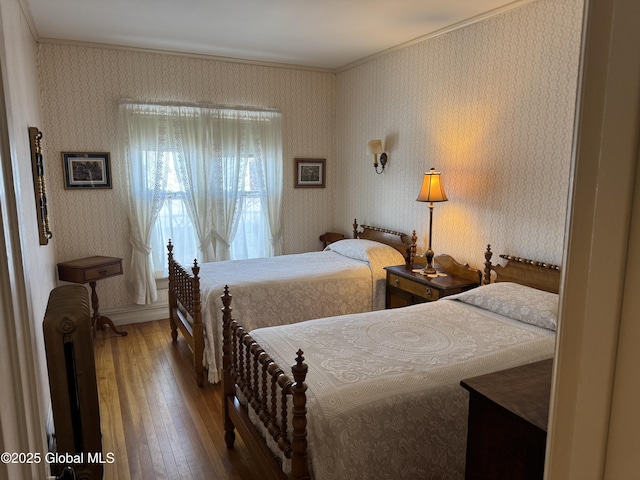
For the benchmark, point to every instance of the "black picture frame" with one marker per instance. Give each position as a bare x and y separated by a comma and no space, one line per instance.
86,170
310,173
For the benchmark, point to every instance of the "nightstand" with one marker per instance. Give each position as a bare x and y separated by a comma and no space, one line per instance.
406,287
90,270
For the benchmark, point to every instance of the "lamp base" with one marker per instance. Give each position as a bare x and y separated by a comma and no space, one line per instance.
429,269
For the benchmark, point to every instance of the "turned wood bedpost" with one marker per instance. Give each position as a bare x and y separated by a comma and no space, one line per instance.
412,249
198,328
299,461
172,295
486,278
227,380
355,228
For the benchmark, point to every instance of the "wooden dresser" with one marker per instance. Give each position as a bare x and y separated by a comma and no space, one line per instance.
508,414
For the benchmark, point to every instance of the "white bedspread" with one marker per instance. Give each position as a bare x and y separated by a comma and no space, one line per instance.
384,399
348,277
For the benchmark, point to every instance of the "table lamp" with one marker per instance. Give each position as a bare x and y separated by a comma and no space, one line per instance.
432,191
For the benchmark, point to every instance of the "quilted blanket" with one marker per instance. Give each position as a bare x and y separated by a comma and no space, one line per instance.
384,394
348,277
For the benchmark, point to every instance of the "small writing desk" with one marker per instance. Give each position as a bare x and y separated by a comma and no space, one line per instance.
90,270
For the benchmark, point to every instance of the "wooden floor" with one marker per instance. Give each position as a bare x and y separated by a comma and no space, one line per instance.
155,421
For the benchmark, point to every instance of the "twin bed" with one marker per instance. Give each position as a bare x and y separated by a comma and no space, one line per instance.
347,277
377,395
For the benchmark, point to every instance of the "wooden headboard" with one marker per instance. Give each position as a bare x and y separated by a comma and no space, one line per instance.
400,241
540,275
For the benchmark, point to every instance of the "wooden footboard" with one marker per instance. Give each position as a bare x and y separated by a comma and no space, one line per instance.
250,372
185,310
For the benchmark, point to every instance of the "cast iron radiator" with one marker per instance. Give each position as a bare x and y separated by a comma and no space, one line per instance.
68,339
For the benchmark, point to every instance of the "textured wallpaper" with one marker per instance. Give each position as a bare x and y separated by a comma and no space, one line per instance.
81,87
491,106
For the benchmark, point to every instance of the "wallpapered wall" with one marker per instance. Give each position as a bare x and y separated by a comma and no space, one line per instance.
20,84
491,106
81,87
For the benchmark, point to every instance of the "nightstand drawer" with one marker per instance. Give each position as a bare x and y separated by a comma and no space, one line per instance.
103,271
407,286
413,287
89,269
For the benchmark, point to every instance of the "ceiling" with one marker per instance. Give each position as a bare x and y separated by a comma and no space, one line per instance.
325,34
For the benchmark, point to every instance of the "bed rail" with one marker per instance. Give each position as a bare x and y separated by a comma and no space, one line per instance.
185,310
269,392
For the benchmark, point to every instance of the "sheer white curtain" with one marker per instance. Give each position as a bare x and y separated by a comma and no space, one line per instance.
267,142
218,159
218,146
145,137
196,173
253,221
227,130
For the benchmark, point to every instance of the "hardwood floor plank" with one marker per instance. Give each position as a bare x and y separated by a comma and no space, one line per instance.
180,440
155,420
110,414
132,406
195,414
150,397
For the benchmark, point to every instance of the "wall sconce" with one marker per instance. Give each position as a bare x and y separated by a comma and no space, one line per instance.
432,191
375,147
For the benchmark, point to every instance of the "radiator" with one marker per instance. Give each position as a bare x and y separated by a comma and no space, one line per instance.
68,339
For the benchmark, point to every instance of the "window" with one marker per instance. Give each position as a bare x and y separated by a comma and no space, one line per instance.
174,222
253,224
208,179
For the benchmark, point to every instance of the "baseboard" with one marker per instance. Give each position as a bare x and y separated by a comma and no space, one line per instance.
129,314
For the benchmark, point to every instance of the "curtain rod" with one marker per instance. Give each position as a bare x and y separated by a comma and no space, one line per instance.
200,105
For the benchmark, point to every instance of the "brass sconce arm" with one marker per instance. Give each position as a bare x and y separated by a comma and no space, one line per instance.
383,162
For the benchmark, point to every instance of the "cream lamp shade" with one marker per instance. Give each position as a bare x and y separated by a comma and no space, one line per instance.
432,188
374,147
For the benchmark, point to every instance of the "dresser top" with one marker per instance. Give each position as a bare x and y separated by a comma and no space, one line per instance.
524,391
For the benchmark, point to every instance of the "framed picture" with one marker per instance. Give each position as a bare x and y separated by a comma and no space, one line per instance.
86,170
310,172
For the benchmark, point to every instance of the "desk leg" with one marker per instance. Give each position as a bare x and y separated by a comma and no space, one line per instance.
98,320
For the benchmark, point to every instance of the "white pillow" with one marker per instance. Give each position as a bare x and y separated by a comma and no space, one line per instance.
515,301
364,250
